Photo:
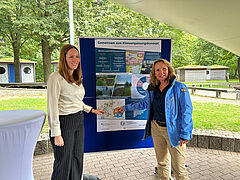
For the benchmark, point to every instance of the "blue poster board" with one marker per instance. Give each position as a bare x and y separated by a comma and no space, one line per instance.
95,60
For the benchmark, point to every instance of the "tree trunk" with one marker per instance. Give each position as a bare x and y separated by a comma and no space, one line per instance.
16,52
239,69
235,76
46,54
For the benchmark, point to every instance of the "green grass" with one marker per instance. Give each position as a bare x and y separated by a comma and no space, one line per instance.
26,103
127,91
214,81
217,116
213,86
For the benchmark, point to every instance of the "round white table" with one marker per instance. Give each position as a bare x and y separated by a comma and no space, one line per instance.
19,132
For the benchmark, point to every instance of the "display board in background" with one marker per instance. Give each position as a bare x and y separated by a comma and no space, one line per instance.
115,73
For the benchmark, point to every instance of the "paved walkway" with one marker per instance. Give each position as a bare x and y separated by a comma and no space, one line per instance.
203,98
138,164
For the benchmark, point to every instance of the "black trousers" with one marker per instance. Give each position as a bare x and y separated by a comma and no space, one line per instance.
68,163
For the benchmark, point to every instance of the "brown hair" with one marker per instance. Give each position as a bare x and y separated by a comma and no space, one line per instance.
171,72
63,67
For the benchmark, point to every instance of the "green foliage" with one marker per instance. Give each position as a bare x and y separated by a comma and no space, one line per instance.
47,19
127,91
100,82
207,54
99,93
5,49
26,24
39,71
36,21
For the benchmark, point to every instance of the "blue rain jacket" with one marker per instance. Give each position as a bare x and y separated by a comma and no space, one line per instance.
178,111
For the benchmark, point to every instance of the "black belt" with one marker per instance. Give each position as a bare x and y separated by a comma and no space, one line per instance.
161,123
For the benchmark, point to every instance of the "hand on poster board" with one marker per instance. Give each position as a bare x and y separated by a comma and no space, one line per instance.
117,112
121,109
97,111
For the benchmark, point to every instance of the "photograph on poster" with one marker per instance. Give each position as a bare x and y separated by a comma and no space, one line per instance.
122,86
105,85
134,61
149,58
104,91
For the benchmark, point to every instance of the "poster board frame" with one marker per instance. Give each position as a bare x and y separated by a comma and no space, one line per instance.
109,140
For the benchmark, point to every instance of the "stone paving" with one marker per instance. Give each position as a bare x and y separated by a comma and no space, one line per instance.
203,164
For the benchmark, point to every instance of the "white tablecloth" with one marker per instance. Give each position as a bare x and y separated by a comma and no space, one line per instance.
19,132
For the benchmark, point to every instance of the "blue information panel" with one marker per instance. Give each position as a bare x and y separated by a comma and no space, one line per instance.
115,73
110,60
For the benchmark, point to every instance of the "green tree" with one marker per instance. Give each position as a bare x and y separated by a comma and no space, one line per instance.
49,24
103,18
40,21
11,15
206,54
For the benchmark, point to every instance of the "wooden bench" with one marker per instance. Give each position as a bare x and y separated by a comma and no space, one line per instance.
217,90
236,87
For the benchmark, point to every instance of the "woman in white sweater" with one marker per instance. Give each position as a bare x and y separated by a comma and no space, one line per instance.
65,115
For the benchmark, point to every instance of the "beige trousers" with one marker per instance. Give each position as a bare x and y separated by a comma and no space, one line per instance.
162,148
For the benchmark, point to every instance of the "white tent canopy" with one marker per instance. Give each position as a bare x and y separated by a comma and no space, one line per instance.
213,20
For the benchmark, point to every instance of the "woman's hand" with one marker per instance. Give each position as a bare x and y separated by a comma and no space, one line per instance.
121,109
98,111
58,141
183,141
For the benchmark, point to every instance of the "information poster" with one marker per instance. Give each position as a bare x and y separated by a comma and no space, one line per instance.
116,72
122,76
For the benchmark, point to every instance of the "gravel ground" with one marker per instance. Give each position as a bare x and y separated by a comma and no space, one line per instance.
214,99
202,96
6,93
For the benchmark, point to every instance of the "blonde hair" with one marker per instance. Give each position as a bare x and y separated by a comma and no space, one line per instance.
63,67
171,72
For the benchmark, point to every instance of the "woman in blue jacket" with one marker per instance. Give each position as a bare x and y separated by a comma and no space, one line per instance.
169,118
